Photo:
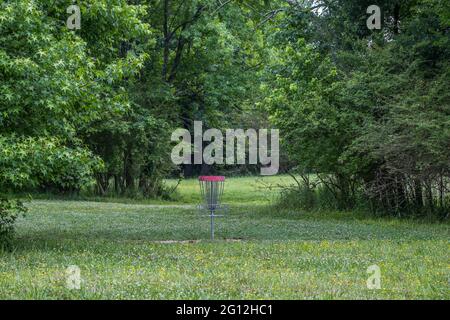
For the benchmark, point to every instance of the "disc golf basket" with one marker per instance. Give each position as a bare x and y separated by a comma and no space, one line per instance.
211,188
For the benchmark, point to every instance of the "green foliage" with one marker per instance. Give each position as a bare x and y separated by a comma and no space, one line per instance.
304,198
120,85
203,65
58,85
51,81
10,210
45,162
368,111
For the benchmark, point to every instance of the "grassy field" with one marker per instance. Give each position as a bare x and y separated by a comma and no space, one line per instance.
127,251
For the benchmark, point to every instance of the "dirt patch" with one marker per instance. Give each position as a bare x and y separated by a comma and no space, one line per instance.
196,241
176,241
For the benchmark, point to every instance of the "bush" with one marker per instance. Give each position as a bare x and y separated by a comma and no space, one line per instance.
307,199
46,163
320,193
10,210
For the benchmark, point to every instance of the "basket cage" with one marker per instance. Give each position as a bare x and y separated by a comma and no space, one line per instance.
211,188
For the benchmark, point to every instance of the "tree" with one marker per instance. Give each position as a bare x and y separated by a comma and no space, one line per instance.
54,84
366,110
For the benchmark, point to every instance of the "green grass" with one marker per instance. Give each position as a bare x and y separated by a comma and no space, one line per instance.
128,251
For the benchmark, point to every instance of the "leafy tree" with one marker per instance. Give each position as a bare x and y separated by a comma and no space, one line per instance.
54,84
57,83
367,110
204,64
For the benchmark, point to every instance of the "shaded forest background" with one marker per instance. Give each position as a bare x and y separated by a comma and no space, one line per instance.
364,115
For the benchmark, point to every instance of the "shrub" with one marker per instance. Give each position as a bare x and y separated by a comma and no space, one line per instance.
308,199
10,210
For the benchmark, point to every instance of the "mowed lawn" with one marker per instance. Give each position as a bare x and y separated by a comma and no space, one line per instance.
128,251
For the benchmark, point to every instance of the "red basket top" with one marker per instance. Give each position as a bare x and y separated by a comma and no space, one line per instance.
211,178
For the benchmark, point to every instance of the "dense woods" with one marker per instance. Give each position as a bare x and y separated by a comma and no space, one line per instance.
364,115
367,111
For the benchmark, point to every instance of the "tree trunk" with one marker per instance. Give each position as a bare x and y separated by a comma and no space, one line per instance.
166,14
418,197
128,169
396,18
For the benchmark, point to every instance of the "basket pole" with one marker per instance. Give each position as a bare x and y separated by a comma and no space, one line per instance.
212,225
